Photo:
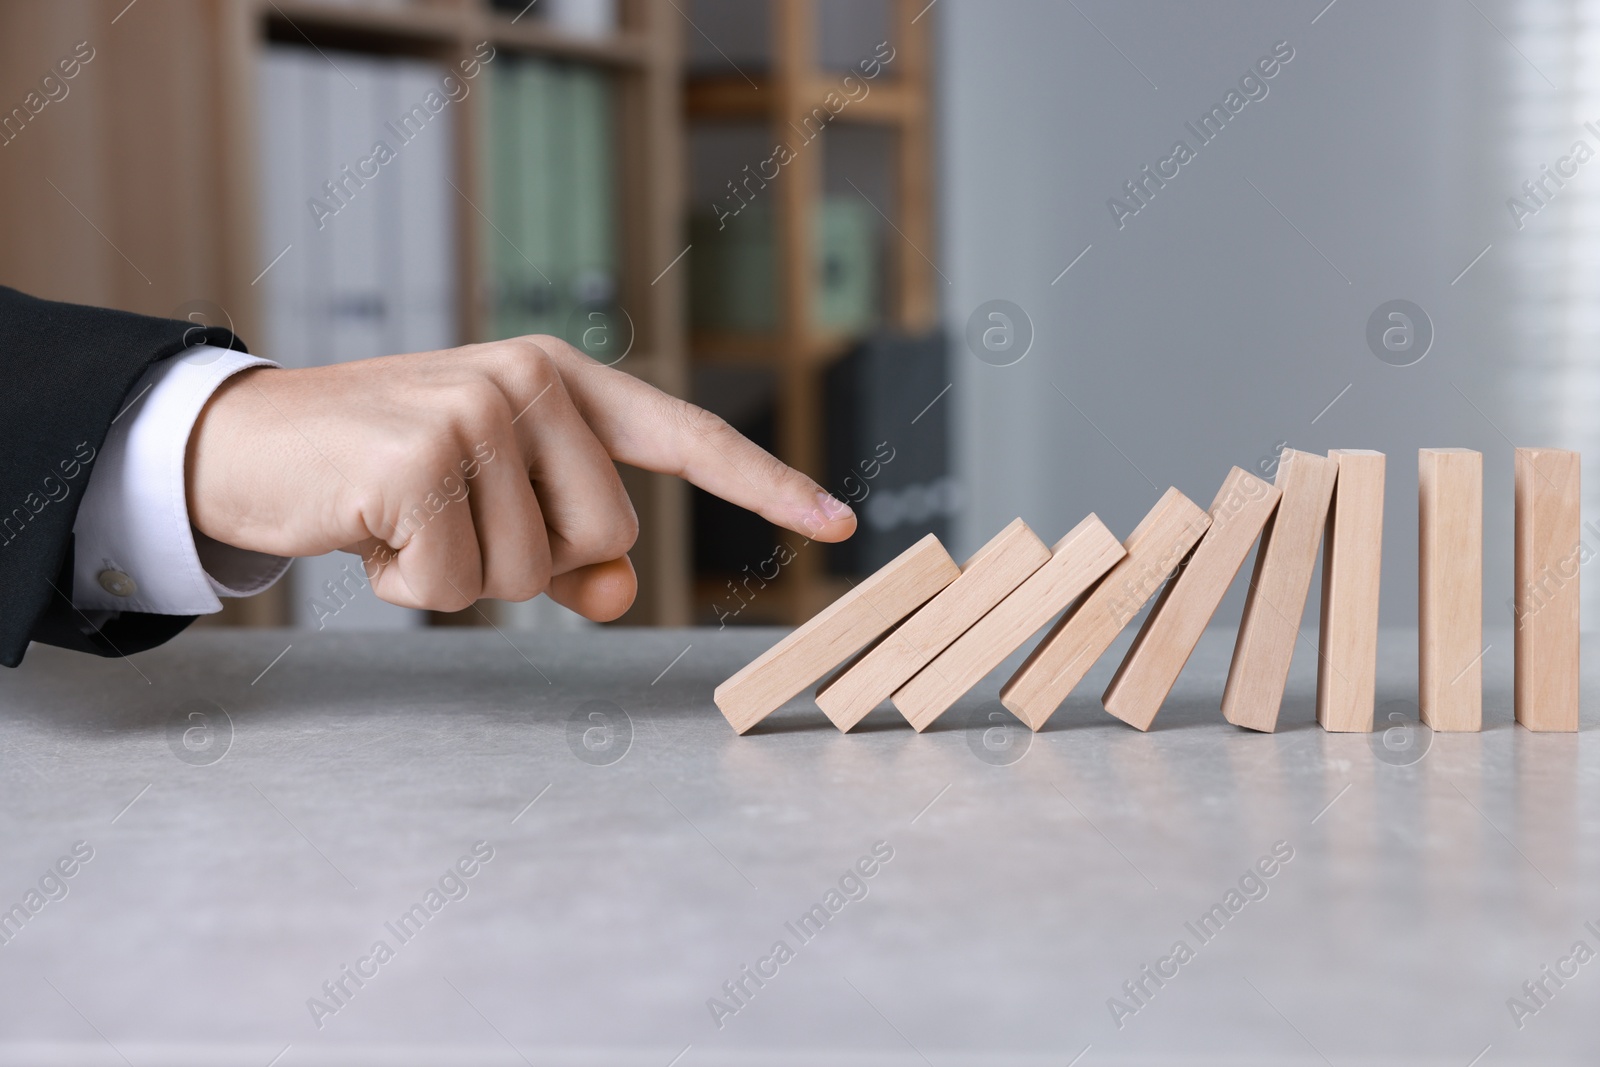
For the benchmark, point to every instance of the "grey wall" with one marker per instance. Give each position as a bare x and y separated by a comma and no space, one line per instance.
1211,327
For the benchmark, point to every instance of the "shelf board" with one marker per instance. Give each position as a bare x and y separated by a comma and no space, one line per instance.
352,25
625,48
417,22
733,98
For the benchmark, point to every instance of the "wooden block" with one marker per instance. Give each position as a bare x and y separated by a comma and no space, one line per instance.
986,579
1549,551
1450,579
1155,548
1278,588
813,649
1076,562
1164,643
1352,564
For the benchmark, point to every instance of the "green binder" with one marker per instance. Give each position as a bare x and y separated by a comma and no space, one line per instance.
505,206
552,200
539,264
593,205
733,269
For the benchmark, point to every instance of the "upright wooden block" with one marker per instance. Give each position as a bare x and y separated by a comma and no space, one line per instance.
1278,588
1076,562
1155,548
1352,563
1549,551
986,579
813,649
1450,578
1164,643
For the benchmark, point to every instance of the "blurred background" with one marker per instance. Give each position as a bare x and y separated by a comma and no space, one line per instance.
947,257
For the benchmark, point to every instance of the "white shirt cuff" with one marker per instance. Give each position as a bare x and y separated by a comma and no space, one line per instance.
134,549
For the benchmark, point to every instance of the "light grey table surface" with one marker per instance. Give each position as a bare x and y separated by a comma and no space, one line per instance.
1430,877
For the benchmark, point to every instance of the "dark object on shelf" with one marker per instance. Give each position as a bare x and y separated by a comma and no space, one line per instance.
888,447
518,8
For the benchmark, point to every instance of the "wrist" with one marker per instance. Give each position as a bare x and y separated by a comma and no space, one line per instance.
213,477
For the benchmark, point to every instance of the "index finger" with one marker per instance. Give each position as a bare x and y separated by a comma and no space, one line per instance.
641,426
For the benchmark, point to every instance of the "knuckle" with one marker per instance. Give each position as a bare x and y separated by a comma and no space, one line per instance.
528,365
702,429
530,349
520,591
431,589
552,347
727,442
599,534
591,543
530,577
702,423
462,591
516,590
627,532
452,598
539,573
473,406
615,535
535,580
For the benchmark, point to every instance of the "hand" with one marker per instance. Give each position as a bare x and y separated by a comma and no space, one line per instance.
483,471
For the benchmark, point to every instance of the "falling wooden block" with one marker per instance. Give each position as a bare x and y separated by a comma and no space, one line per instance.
1172,629
1352,563
1076,562
1278,588
1157,545
897,589
1549,552
986,579
1450,578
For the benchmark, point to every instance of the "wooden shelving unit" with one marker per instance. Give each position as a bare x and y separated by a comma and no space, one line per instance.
643,59
156,148
782,97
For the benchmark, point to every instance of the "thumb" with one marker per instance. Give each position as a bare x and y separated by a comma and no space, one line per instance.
600,591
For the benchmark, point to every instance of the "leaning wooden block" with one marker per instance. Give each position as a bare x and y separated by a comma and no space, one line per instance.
1278,588
1450,578
1157,545
1549,551
901,586
993,572
1076,562
1172,629
1352,562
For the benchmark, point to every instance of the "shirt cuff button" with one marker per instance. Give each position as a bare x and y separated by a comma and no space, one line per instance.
117,583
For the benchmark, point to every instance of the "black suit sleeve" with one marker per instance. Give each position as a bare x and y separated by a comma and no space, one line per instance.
67,372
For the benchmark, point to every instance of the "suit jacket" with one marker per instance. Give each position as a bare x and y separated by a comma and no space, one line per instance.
65,374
